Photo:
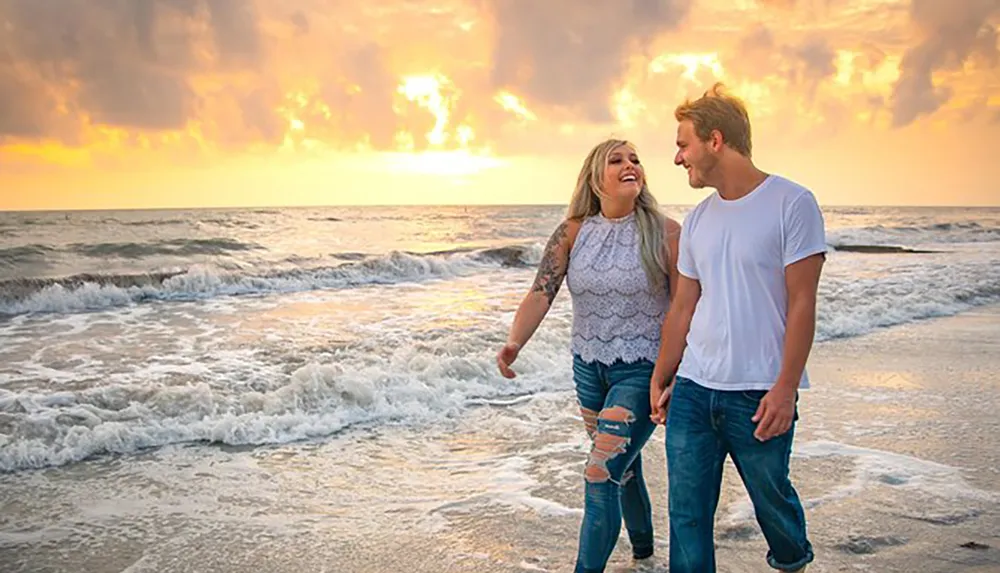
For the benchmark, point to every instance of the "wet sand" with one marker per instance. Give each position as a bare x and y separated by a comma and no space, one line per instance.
898,452
897,458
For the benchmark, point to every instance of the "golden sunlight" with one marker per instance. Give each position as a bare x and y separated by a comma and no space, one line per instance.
425,91
456,162
758,97
513,104
48,154
690,62
627,107
845,67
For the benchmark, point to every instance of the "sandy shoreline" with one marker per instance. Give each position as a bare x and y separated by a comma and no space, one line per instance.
897,458
915,408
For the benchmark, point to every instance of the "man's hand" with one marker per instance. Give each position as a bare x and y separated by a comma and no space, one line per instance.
775,412
506,357
659,399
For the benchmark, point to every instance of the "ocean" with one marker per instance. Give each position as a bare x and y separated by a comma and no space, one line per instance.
295,389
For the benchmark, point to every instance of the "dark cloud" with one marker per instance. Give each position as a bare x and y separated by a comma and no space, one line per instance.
151,65
813,63
756,40
300,22
234,28
364,102
257,113
23,111
569,52
806,64
976,110
128,61
125,93
952,33
816,57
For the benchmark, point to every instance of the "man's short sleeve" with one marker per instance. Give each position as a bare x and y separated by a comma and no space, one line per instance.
685,262
805,232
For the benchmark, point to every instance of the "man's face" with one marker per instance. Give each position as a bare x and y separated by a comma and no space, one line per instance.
694,155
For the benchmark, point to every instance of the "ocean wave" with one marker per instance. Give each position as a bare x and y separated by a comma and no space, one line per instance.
24,254
148,222
38,253
855,305
172,247
41,429
910,235
86,292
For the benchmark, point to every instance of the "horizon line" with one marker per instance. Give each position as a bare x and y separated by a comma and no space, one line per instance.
438,205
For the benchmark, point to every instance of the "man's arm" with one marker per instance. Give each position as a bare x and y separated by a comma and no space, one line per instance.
777,408
802,282
673,340
671,251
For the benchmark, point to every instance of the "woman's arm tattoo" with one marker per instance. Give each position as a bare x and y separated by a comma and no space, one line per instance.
552,269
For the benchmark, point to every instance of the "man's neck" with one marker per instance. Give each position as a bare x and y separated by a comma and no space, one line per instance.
739,180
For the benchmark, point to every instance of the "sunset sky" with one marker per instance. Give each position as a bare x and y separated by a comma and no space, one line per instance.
190,103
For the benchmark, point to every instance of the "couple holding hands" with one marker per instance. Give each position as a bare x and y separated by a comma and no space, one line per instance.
704,328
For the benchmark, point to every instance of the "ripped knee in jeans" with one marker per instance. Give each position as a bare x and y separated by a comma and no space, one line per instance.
610,440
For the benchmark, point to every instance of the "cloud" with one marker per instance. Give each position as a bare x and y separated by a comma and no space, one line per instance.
124,63
508,75
234,28
23,111
569,53
816,58
952,33
300,21
758,55
784,4
318,71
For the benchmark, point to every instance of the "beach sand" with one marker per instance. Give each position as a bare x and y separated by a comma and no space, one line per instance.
897,458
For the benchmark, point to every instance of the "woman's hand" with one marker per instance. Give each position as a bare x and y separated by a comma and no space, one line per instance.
506,357
659,401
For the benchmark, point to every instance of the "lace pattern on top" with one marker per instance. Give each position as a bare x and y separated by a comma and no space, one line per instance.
615,313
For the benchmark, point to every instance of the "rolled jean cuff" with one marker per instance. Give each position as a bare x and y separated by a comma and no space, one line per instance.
807,559
642,551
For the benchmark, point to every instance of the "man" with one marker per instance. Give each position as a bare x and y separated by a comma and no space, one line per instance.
736,338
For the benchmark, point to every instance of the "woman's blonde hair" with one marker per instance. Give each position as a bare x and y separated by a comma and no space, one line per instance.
586,202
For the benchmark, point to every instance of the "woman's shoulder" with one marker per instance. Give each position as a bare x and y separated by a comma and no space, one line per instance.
565,233
573,224
671,226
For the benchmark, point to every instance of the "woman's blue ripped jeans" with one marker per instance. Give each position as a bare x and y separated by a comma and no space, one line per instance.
614,401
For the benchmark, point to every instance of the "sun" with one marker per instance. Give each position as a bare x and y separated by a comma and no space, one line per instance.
447,149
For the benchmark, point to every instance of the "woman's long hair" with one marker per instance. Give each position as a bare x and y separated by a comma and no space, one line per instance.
586,202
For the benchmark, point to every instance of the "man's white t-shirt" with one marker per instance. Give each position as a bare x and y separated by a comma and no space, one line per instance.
738,251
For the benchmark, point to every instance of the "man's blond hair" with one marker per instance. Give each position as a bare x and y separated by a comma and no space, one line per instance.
716,110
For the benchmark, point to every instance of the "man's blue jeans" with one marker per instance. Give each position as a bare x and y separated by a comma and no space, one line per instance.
703,426
614,401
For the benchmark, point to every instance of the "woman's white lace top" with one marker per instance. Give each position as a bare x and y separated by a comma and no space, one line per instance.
615,313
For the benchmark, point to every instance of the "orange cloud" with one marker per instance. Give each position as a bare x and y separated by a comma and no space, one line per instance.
124,82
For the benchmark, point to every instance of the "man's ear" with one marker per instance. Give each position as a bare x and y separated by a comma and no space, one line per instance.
715,140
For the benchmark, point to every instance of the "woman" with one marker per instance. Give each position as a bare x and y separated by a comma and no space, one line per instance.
614,250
